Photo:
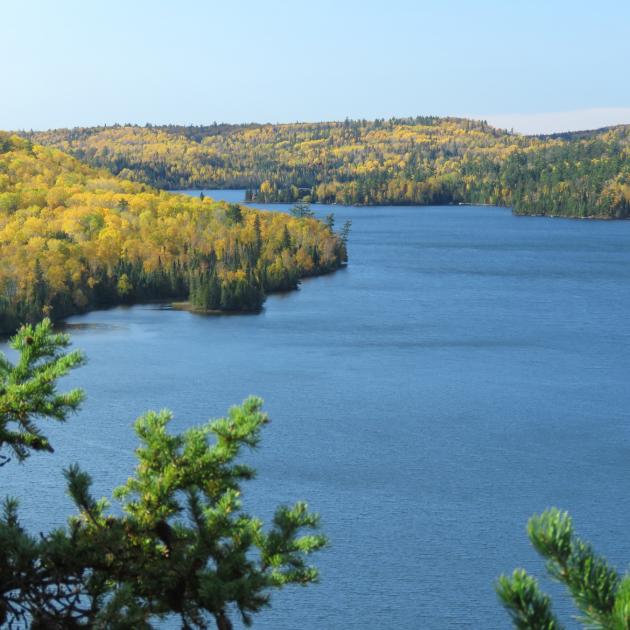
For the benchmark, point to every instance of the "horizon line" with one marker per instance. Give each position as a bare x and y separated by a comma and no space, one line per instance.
531,124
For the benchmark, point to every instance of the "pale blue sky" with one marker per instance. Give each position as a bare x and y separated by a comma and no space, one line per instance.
520,63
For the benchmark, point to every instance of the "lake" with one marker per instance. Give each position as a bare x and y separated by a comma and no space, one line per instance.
467,369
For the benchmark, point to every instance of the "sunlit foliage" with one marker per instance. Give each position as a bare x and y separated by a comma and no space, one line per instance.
72,237
424,160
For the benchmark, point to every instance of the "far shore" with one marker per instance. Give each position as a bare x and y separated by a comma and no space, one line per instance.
593,217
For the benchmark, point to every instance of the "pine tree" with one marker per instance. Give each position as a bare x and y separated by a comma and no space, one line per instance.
28,389
258,242
302,210
286,239
600,594
177,542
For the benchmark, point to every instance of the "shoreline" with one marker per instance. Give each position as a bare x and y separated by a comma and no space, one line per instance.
177,305
593,217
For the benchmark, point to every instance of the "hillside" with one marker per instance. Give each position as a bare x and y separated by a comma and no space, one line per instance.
73,238
423,160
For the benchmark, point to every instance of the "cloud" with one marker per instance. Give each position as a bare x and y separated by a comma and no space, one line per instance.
555,122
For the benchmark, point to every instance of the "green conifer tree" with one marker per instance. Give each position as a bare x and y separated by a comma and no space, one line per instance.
601,595
177,542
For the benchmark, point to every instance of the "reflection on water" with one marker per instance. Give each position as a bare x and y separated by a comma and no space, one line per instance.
73,327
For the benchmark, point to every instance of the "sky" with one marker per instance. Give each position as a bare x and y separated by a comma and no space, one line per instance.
528,65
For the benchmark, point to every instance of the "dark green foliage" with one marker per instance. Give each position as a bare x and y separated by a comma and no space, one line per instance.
241,294
205,291
345,231
234,214
601,595
301,210
344,235
177,542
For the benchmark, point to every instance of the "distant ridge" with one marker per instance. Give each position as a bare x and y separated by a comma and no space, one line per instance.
584,133
414,160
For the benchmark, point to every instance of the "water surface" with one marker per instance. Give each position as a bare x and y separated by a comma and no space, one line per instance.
467,369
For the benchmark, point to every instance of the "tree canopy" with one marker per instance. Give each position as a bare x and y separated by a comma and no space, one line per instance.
422,160
73,237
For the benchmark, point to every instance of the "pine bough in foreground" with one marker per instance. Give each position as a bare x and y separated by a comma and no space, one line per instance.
178,541
600,594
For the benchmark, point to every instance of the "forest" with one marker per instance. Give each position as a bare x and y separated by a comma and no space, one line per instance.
419,161
74,238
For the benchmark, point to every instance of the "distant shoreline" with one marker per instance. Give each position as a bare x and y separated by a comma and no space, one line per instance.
183,191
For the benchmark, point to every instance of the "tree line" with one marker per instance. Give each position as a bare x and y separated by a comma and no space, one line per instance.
419,161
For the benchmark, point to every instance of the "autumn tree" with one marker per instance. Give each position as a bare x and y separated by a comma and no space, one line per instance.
74,238
420,160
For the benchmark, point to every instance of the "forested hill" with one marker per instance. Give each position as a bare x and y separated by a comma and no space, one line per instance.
73,237
422,160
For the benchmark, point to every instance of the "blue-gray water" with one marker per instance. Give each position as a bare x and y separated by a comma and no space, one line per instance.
467,369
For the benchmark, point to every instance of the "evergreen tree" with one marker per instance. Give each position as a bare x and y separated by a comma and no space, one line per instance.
302,210
177,542
28,389
258,242
233,214
39,297
600,594
286,239
343,236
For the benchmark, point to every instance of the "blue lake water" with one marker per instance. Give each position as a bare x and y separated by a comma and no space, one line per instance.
466,370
